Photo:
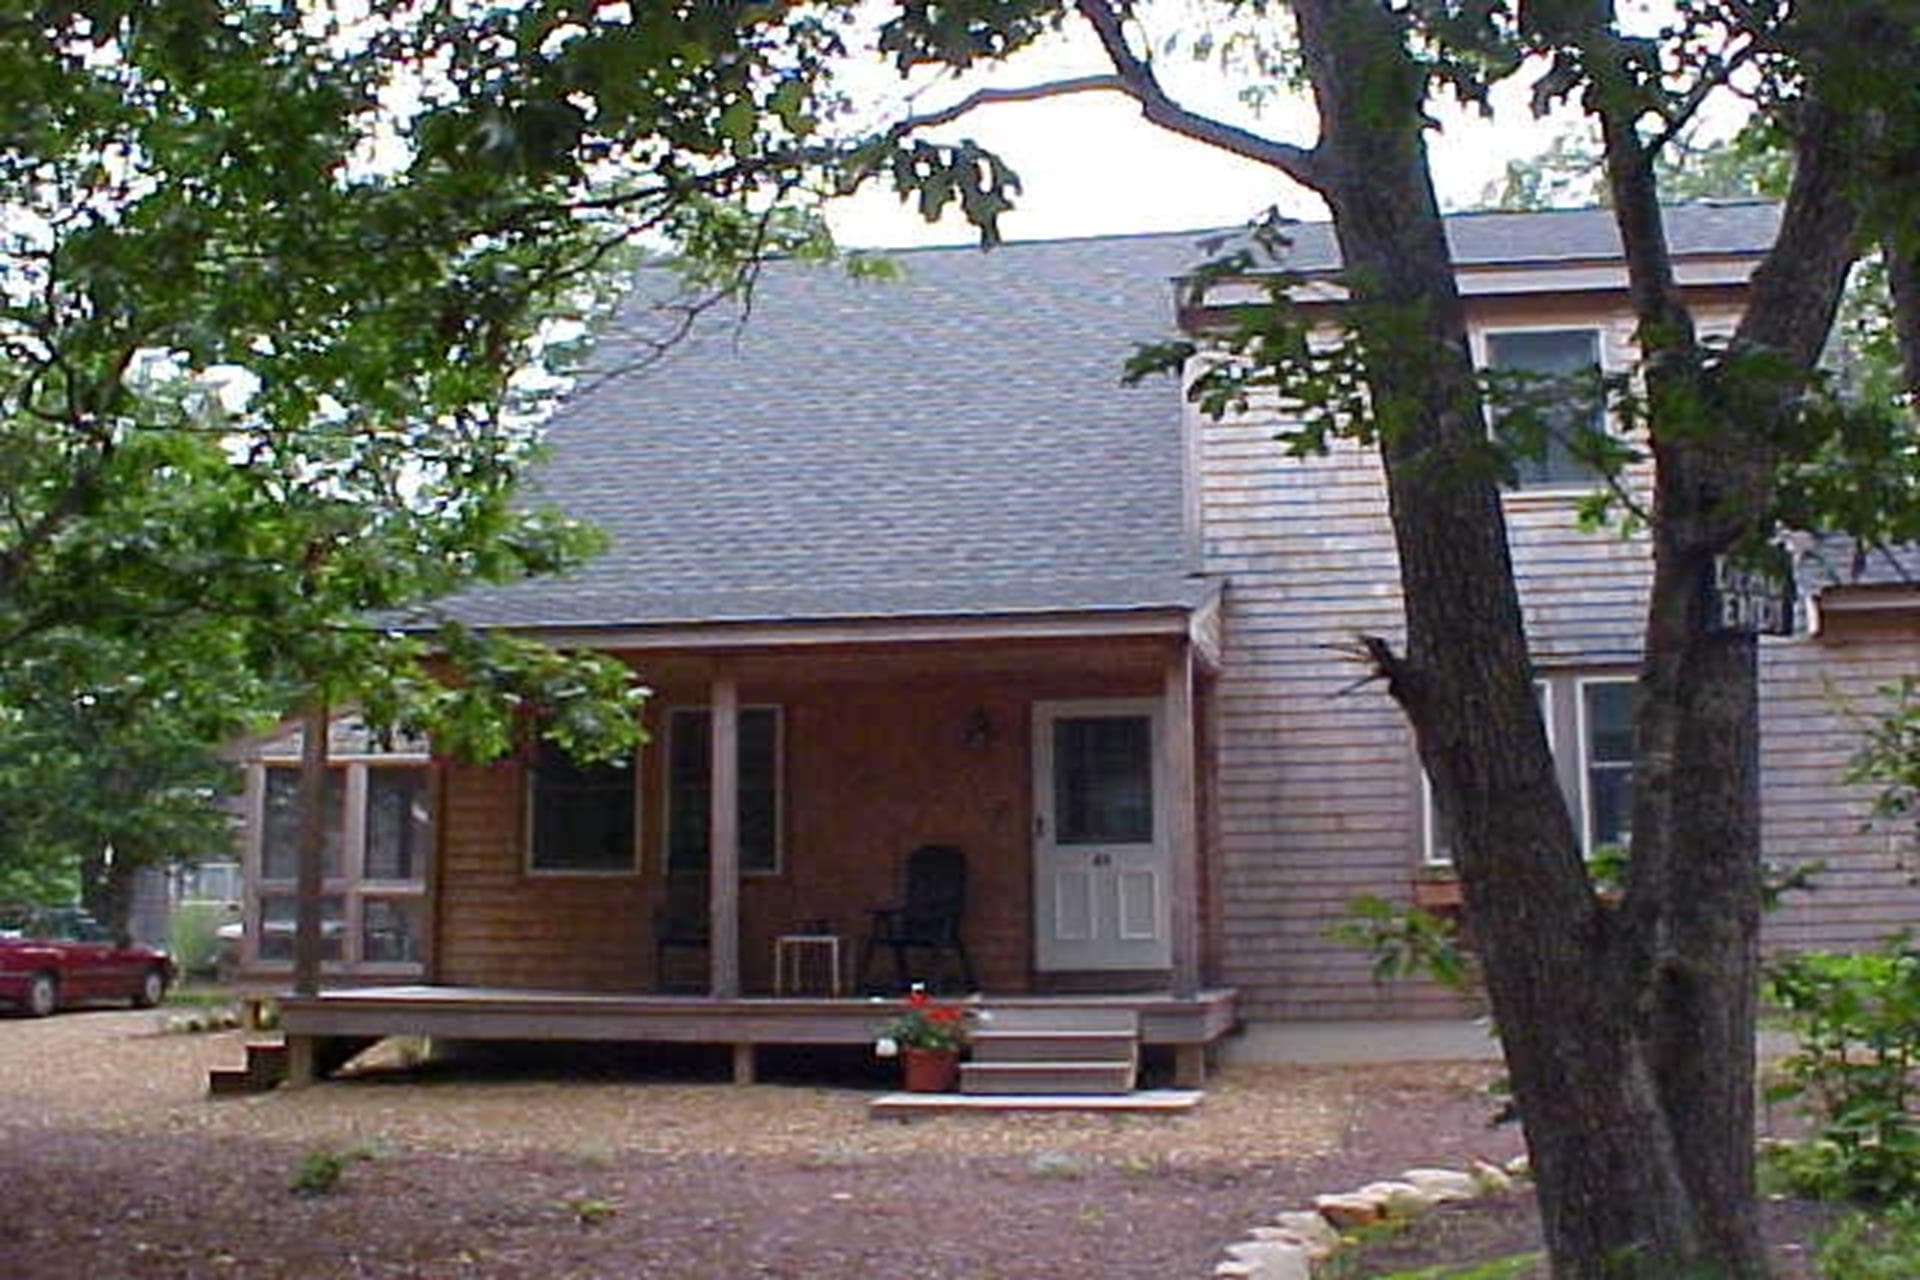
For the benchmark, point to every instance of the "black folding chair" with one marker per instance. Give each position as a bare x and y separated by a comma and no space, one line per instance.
924,924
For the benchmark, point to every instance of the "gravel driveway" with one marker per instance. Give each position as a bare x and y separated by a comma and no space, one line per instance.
115,1163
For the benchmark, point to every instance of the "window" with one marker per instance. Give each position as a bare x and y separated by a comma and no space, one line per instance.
581,818
280,914
1596,714
1438,832
207,882
690,788
379,841
280,826
1555,353
1606,761
1103,779
390,929
399,824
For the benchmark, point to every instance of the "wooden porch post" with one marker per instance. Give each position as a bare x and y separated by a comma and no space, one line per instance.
1183,831
316,723
723,852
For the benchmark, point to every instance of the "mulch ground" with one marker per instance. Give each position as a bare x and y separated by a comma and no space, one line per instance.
115,1163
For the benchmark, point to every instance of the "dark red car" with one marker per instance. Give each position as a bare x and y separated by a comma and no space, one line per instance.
63,956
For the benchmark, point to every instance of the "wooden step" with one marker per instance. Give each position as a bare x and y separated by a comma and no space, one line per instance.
267,1063
1046,1077
266,1070
1016,1017
229,1082
998,1045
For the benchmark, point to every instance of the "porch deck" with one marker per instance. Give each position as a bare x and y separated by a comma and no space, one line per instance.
1187,1025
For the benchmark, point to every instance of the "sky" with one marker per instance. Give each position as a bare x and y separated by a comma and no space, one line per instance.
1090,165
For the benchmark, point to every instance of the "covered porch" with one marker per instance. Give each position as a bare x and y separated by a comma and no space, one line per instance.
791,770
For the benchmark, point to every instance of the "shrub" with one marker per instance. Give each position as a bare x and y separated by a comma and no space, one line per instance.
193,937
1406,940
1882,1246
1858,1021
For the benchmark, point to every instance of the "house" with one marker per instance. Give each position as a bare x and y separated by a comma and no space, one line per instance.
905,564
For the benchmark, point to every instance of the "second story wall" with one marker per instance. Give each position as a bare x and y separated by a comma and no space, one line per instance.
1321,798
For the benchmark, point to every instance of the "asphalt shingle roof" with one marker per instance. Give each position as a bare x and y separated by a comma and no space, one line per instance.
1705,228
955,442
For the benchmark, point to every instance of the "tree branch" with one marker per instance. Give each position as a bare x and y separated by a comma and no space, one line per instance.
1677,119
1025,93
1136,80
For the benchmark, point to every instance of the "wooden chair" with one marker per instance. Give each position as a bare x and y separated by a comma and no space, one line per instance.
925,922
682,923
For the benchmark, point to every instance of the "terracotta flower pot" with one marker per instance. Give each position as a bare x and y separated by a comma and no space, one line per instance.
930,1070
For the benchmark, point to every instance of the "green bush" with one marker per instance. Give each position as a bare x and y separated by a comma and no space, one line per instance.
193,937
1857,1017
1407,940
1881,1246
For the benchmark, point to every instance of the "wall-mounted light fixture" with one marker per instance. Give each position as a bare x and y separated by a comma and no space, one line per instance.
979,731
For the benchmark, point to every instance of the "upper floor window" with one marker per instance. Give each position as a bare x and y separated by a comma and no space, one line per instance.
1566,415
581,816
690,788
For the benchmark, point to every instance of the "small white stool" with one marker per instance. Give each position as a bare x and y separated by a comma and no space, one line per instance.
790,953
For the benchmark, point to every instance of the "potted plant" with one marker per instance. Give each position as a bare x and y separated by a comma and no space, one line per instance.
928,1037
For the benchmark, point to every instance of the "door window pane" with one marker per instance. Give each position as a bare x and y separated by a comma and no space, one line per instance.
399,823
280,829
1103,780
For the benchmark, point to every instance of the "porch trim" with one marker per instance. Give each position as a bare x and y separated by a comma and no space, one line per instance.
492,1013
1175,622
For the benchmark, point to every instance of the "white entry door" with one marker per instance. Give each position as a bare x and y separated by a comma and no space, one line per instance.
1100,855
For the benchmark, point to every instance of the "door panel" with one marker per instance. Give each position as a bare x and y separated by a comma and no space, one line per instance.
1101,859
1073,905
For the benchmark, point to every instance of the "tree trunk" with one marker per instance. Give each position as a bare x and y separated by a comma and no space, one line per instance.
106,890
1617,1178
1903,281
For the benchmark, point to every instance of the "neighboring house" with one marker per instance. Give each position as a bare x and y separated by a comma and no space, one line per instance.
939,578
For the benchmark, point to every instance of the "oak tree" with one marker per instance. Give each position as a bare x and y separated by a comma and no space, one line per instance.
1628,1026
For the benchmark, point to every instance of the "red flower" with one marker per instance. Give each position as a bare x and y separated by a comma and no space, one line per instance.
919,1000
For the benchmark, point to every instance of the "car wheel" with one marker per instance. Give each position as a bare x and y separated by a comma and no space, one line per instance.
153,986
43,995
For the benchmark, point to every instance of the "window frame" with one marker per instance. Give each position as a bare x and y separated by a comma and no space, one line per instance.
1430,810
1585,742
779,789
349,882
1482,337
529,794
